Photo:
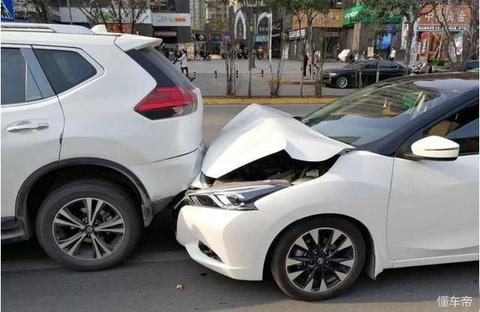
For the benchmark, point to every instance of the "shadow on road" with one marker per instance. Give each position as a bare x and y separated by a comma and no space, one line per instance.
151,286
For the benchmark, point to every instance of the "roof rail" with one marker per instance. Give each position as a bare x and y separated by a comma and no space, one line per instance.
53,28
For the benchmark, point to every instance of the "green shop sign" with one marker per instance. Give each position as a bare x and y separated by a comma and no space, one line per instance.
351,16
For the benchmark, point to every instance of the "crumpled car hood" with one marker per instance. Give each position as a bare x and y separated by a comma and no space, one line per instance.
259,131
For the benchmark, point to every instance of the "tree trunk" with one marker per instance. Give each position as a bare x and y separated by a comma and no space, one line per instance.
321,61
250,47
410,39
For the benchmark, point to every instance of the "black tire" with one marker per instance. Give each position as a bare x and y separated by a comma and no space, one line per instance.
111,193
287,240
339,82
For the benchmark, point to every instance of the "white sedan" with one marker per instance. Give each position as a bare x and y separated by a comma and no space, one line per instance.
384,178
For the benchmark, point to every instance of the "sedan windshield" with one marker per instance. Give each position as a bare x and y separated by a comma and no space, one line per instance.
374,112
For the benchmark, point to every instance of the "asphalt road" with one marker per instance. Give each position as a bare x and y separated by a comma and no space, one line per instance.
148,280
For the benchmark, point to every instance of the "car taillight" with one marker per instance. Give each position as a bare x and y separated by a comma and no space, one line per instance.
165,102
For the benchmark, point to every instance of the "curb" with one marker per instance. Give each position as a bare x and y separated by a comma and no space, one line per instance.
265,101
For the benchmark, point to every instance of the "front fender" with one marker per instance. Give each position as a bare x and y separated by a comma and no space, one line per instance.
357,186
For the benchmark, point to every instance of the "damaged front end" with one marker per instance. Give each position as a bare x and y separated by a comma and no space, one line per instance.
239,189
261,151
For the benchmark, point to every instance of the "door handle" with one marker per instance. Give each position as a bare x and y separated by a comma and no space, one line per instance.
27,125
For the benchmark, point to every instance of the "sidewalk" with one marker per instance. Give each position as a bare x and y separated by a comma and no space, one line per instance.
210,78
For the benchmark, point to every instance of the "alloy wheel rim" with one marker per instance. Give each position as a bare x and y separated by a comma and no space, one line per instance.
342,82
88,228
320,260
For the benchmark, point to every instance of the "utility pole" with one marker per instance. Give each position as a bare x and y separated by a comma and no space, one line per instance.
270,33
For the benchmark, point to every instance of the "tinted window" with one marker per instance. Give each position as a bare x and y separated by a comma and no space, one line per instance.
461,127
385,64
64,69
160,68
472,64
18,84
371,65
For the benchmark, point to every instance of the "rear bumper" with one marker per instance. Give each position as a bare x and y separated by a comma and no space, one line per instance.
165,179
14,230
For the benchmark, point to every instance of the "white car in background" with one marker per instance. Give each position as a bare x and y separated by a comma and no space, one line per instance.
384,178
99,133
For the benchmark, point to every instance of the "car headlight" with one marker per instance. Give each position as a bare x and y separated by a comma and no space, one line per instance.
332,74
239,197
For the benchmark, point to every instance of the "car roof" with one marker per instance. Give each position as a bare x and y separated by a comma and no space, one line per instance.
70,35
457,82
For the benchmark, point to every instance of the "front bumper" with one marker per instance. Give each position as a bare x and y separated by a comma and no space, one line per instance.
238,238
327,80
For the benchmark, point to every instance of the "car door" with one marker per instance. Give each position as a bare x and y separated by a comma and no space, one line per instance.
433,208
32,122
388,70
369,72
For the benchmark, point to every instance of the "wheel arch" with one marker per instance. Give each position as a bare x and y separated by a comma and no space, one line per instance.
35,188
370,259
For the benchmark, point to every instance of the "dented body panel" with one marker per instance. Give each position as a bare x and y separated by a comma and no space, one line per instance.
259,131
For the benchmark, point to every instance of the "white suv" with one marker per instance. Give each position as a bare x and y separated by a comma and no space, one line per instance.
99,132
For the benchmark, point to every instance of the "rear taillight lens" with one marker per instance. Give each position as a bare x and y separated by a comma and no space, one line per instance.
165,102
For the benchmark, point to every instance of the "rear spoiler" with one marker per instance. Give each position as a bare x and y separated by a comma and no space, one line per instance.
128,42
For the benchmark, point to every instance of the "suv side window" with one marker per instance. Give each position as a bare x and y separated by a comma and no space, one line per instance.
461,127
64,69
18,83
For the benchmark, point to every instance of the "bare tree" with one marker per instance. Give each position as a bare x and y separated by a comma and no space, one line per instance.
411,10
306,10
42,10
93,12
120,12
467,11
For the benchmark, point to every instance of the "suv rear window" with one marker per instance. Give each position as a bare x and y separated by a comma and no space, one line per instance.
160,68
64,69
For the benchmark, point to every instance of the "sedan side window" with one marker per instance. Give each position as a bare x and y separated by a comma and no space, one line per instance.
461,127
386,64
371,65
18,83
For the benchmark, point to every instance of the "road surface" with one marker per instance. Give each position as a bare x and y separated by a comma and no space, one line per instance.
148,281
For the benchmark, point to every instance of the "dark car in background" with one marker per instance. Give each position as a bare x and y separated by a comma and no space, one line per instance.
469,65
348,76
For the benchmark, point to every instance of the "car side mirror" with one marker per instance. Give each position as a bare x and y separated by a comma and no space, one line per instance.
435,148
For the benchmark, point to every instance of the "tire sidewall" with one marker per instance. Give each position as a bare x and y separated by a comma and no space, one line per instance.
108,192
290,236
339,85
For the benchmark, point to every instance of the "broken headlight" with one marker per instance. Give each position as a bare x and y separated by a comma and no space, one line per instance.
238,197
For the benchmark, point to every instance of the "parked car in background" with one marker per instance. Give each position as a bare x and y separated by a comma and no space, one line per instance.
470,65
348,75
386,177
422,68
99,133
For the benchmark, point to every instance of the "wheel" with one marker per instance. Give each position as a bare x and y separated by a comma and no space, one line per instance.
88,225
342,82
318,258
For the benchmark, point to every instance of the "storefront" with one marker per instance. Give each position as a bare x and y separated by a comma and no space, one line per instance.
359,34
327,25
433,41
173,28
